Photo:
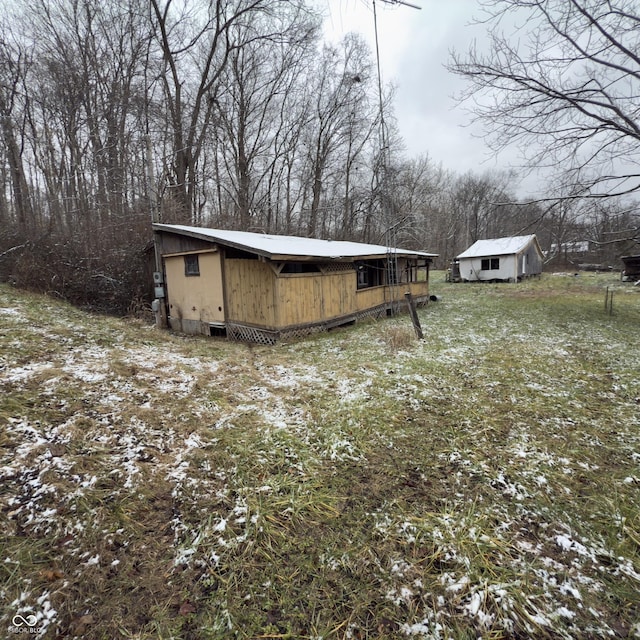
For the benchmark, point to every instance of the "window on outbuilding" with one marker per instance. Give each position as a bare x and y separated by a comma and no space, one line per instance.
370,273
300,267
416,271
490,264
191,265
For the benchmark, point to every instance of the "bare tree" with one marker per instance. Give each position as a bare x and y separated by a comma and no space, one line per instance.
260,77
337,97
86,109
564,84
196,43
421,192
482,203
14,62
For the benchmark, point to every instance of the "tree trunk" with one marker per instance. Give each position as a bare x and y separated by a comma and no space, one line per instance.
20,187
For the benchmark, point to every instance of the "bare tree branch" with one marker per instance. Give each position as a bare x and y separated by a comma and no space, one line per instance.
567,93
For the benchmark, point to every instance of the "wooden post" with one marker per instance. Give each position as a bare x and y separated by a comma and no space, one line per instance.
414,315
608,301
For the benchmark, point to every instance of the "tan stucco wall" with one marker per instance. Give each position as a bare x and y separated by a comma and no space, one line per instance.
195,298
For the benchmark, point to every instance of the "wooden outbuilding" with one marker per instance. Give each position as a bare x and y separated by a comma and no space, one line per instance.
258,287
631,268
507,259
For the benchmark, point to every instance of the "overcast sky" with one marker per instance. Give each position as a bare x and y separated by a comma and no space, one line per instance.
414,47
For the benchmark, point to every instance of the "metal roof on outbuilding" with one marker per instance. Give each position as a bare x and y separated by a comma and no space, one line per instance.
276,247
498,246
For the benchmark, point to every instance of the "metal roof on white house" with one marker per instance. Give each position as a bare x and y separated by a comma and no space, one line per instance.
498,246
283,247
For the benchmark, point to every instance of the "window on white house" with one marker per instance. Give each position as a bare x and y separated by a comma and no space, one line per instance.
191,265
490,264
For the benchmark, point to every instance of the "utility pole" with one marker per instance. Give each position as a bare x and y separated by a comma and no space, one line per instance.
391,271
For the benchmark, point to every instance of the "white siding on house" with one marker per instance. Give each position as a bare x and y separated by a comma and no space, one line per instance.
501,259
471,269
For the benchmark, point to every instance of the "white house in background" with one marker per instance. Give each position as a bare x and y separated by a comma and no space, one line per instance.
509,259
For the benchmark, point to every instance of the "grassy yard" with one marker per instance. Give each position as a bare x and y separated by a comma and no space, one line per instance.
482,483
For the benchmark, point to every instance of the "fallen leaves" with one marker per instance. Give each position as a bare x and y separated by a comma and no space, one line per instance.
79,626
187,608
51,575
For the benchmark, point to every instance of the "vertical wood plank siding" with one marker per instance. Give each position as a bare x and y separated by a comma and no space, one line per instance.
256,296
417,289
250,292
308,298
368,298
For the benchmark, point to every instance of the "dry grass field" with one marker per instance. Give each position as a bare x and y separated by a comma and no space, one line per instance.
481,483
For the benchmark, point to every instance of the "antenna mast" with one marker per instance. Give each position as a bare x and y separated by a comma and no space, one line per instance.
406,4
390,225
